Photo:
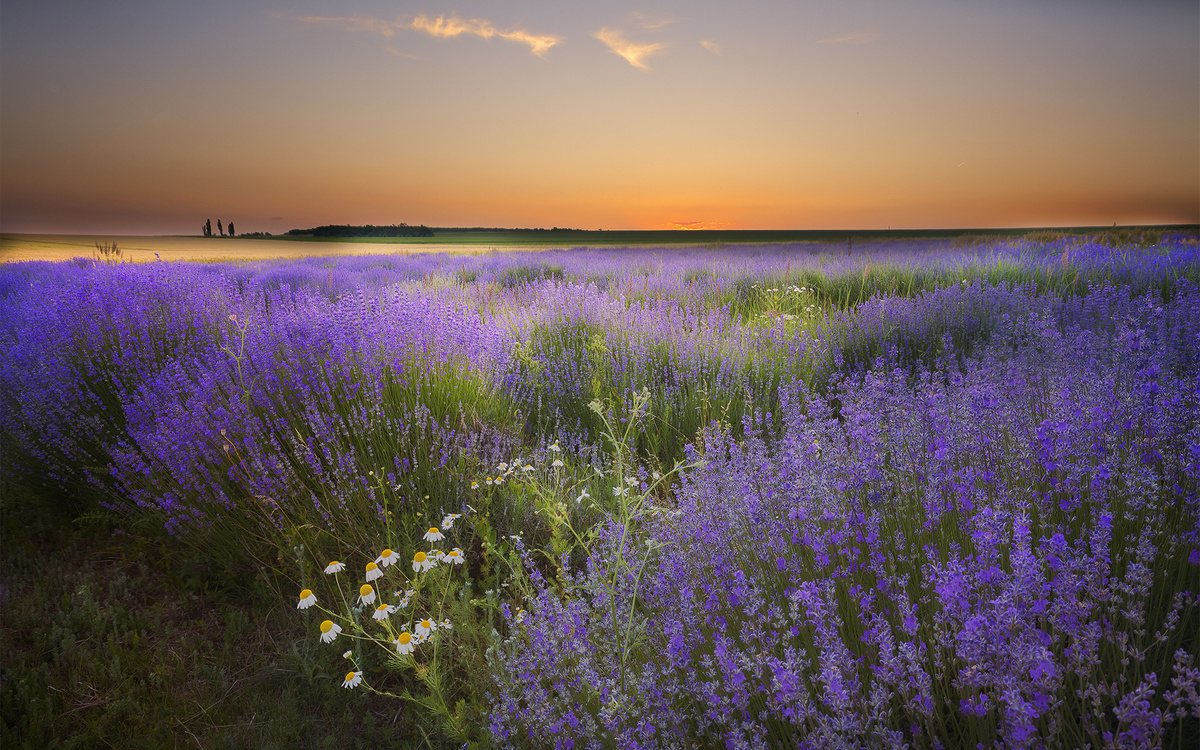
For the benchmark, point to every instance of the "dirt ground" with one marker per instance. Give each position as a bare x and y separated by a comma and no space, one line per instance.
141,249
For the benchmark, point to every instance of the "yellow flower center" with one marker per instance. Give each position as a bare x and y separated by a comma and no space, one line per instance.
381,607
386,554
419,557
425,623
404,638
433,530
305,593
349,676
332,563
371,566
365,589
327,626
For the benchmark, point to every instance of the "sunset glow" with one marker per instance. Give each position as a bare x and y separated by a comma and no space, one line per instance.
152,118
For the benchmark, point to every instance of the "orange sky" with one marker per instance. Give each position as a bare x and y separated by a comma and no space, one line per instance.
142,117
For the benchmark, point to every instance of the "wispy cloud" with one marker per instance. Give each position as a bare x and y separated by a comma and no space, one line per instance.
711,46
453,26
631,51
443,27
647,21
697,225
398,53
862,36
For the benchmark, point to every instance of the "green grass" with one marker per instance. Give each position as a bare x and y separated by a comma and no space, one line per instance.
112,639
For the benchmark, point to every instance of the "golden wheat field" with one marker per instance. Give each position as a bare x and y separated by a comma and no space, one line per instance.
143,249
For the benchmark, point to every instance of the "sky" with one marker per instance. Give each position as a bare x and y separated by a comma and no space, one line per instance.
137,117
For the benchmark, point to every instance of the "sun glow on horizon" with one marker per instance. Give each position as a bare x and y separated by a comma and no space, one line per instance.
766,115
698,225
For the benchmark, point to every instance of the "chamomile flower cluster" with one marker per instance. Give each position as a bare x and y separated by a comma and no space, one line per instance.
369,614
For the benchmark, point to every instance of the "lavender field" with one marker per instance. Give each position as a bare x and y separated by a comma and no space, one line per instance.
927,494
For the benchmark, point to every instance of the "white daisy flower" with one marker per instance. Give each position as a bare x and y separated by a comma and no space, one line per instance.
475,485
373,571
382,612
618,491
307,599
631,481
404,644
434,535
387,557
366,594
329,631
527,468
445,625
421,638
425,627
558,464
352,679
583,496
454,556
489,480
554,447
347,654
448,521
334,567
502,467
423,563
520,618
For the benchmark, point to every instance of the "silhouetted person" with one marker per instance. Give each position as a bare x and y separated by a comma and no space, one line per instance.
231,229
219,229
208,227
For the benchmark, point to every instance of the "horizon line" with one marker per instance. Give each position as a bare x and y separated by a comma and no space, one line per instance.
833,230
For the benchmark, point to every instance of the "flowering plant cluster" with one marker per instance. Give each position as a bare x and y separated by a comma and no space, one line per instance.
395,620
1001,550
922,496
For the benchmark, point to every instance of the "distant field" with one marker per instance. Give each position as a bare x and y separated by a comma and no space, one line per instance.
136,248
581,237
25,247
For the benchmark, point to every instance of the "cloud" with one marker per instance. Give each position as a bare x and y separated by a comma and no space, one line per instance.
698,225
646,21
398,53
453,26
861,36
711,46
442,27
631,51
539,44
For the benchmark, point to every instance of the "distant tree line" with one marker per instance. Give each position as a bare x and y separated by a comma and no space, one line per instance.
207,228
368,230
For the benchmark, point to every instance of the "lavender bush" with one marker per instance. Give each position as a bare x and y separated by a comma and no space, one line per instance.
1000,550
934,495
